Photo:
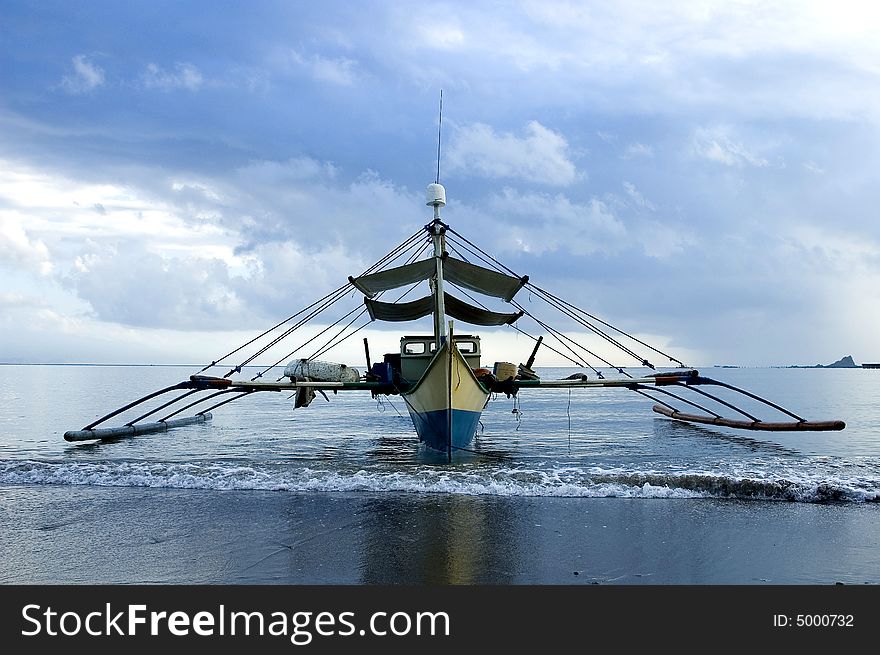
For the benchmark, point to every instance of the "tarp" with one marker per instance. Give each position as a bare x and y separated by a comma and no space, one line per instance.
483,280
392,278
475,315
458,309
457,271
403,311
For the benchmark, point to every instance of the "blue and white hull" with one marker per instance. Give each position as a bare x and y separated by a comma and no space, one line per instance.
446,403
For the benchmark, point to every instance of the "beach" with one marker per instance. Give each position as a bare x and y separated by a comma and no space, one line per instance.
107,535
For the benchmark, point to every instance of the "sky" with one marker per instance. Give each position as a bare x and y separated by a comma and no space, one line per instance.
177,177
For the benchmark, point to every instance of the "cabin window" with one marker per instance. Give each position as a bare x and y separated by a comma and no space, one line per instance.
466,347
414,348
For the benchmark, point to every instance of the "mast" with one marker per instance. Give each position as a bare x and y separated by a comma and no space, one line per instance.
437,198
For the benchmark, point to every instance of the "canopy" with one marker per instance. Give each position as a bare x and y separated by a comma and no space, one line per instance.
457,271
458,309
392,278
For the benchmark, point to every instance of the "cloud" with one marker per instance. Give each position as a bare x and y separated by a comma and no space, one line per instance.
539,223
638,150
335,70
184,76
131,286
63,336
86,76
541,156
716,144
280,197
637,197
15,301
659,240
18,249
177,250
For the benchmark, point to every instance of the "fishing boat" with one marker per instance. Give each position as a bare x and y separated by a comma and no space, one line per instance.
440,376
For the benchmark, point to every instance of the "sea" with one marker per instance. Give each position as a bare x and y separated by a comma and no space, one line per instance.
543,442
580,486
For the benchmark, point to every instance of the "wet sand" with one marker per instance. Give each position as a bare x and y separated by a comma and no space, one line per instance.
100,535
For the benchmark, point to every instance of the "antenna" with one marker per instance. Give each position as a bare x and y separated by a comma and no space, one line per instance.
436,194
439,127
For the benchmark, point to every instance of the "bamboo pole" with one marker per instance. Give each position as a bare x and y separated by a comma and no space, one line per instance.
131,430
790,426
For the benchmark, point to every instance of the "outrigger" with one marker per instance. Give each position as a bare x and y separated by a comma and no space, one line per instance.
439,376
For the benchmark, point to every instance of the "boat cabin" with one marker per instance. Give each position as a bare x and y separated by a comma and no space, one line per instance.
416,353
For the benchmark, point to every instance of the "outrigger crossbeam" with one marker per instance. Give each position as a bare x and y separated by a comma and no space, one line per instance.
195,384
656,383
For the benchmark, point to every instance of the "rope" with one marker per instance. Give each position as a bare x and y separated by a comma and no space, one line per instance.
306,343
560,336
489,259
399,251
324,348
575,362
330,345
287,332
456,251
592,328
533,338
327,301
381,403
274,327
549,347
616,329
517,412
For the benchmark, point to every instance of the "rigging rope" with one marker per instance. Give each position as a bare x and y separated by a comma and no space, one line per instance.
576,363
287,332
331,345
616,329
483,255
549,347
335,294
304,344
274,327
499,266
390,257
489,259
324,347
560,336
593,328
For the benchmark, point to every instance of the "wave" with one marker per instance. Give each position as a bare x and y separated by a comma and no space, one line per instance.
552,482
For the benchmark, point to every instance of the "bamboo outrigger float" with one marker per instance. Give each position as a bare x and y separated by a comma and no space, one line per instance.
440,376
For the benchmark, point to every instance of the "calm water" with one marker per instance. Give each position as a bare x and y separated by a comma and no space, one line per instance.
586,443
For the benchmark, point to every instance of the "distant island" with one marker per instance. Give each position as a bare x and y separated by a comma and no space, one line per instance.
843,362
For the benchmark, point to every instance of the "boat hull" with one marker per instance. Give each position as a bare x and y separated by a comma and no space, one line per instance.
447,402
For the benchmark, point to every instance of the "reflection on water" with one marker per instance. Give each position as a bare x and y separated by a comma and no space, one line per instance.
437,539
672,429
